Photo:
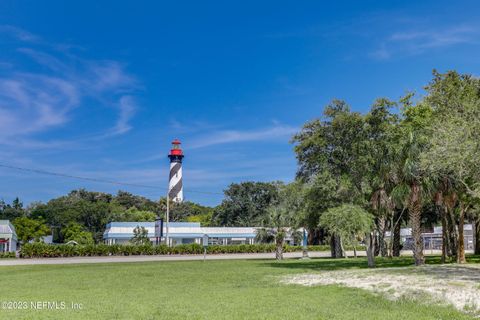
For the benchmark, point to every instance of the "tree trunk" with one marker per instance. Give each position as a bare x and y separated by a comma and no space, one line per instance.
279,249
390,243
445,240
381,236
396,236
452,235
440,212
369,242
332,246
336,247
476,234
313,238
376,245
461,238
342,248
316,236
415,214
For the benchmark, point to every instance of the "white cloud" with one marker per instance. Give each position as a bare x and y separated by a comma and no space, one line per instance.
414,42
31,103
43,98
127,110
19,33
236,136
109,75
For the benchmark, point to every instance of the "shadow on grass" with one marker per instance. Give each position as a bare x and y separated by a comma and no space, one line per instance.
455,272
357,263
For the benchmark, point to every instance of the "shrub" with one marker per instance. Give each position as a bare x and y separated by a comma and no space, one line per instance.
7,255
42,250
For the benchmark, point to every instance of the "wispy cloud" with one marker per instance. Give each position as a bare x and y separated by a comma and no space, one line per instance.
414,42
127,108
236,136
32,102
19,33
43,98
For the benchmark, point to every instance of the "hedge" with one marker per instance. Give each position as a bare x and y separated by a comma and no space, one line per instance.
7,255
42,250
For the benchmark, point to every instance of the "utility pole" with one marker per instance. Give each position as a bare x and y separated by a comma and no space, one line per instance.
168,219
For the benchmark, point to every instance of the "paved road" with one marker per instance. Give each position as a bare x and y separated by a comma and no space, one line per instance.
238,256
113,259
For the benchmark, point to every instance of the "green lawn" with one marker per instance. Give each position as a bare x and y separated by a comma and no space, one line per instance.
246,289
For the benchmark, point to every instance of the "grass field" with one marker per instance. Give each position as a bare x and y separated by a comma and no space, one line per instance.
235,289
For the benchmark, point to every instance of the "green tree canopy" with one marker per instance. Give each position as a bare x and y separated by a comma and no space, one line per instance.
11,211
30,229
454,146
133,214
282,218
76,232
246,203
140,236
348,221
183,211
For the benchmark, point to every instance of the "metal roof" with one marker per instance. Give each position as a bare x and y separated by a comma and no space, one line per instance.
152,224
123,230
7,230
181,235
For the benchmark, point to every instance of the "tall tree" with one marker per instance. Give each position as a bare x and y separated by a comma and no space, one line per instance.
455,140
329,151
246,203
380,149
412,141
11,211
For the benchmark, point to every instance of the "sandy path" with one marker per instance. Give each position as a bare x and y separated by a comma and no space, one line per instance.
458,285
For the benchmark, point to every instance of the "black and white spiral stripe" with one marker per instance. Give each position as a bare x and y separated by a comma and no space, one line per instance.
175,182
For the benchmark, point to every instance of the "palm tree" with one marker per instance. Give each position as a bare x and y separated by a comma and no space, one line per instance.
413,140
283,217
411,176
265,235
399,197
445,199
380,145
279,222
383,206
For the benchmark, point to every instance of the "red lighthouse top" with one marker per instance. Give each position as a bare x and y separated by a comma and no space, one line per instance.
176,150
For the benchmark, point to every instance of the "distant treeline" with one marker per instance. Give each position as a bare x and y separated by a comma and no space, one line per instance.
82,215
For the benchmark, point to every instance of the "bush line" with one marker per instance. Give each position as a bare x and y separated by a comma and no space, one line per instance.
42,250
7,255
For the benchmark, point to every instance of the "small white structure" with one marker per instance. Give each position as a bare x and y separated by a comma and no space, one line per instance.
433,240
182,233
8,237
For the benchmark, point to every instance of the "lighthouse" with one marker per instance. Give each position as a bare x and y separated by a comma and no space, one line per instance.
175,184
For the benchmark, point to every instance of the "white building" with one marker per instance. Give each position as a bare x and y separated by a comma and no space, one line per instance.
181,233
433,240
8,237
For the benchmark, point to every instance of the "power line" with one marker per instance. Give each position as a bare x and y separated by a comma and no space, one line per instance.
64,175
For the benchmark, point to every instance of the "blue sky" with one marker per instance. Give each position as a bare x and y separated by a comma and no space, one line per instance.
99,89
